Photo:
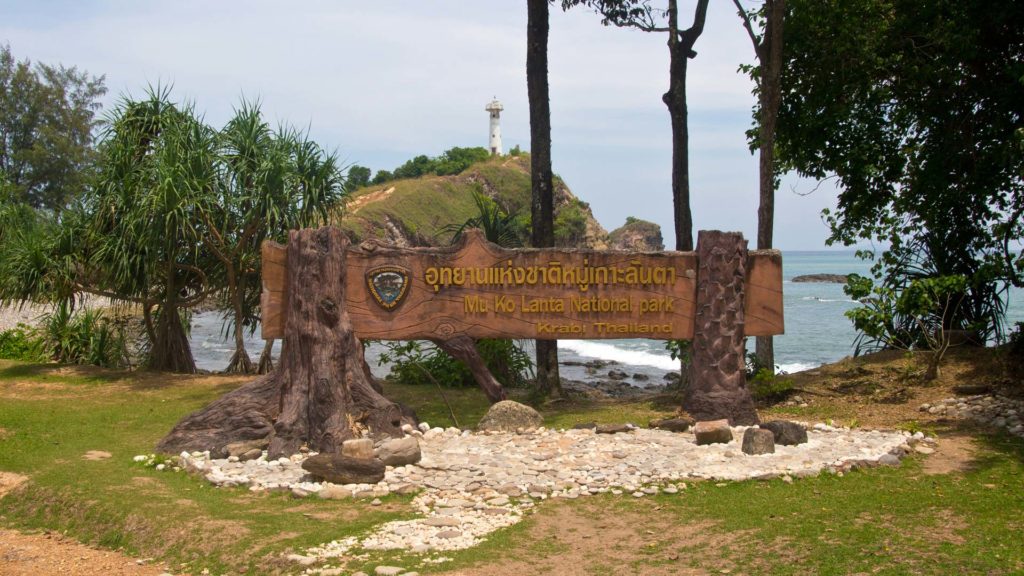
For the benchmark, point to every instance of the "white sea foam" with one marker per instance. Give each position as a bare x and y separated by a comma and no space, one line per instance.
847,300
796,367
594,349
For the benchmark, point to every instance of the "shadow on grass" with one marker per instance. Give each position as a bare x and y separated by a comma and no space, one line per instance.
65,373
998,447
996,443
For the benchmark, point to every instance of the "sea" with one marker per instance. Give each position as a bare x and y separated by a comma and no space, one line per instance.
816,330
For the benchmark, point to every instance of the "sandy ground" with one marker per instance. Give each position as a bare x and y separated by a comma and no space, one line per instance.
30,314
11,316
44,554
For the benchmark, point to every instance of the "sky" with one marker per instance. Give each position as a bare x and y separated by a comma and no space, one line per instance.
381,82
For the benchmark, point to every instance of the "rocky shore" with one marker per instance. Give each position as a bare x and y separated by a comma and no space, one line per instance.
823,278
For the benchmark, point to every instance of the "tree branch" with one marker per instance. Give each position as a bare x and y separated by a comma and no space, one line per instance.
690,35
749,27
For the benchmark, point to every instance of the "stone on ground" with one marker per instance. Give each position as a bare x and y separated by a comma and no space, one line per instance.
672,424
713,432
786,433
245,447
361,448
334,492
612,428
399,451
341,469
507,416
758,441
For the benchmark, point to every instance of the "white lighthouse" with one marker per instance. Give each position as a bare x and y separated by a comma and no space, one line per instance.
495,109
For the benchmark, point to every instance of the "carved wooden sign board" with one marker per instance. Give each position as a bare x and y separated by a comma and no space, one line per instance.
481,290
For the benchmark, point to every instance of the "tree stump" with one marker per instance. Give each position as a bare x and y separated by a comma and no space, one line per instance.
324,391
319,395
718,387
246,413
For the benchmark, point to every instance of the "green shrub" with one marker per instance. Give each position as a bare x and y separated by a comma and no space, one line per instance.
571,224
1014,356
83,337
412,361
19,343
767,386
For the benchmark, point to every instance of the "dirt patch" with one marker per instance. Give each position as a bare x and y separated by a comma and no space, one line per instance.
9,481
35,554
357,203
579,538
886,389
953,453
4,433
97,455
944,528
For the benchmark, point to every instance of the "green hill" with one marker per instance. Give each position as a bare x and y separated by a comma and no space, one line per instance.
415,211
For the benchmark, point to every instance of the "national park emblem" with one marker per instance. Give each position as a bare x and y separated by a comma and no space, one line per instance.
388,284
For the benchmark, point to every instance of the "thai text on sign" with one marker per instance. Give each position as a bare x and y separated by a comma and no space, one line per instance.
481,290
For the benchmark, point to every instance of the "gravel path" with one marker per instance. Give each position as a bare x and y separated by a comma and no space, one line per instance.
471,484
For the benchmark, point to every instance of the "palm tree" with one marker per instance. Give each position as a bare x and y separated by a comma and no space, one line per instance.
269,182
498,226
157,160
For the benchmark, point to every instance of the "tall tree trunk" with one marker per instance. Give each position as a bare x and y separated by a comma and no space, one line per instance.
769,54
170,350
680,50
266,364
718,387
240,362
325,396
542,204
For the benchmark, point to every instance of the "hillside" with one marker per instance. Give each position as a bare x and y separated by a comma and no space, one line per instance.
637,234
414,212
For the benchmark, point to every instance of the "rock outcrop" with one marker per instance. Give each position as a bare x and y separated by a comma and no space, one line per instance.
508,416
637,234
416,212
821,278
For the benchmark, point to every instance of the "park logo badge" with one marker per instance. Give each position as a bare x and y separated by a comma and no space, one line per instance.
388,284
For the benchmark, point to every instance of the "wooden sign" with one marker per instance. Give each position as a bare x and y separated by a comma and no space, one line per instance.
481,290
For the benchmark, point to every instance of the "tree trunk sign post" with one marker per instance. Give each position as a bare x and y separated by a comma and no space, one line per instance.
320,295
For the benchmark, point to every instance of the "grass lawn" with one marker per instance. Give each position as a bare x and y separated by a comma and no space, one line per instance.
906,520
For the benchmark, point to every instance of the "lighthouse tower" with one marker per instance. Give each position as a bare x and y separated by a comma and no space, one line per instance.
495,109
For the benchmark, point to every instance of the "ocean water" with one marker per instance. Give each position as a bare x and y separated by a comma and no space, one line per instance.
817,332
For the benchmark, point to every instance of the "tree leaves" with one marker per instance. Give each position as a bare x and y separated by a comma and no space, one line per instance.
913,107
